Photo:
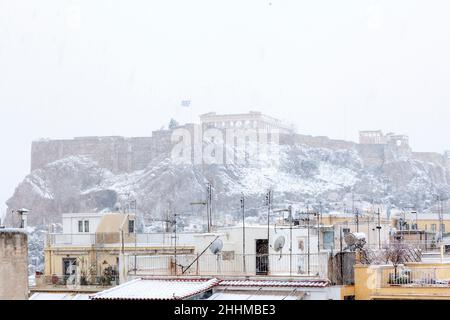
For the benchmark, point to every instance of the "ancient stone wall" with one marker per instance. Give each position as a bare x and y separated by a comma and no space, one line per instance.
120,154
117,154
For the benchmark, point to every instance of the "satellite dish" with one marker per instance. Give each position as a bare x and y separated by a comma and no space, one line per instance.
216,246
279,243
360,236
350,239
356,238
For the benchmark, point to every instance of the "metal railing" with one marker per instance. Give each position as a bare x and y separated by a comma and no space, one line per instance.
414,277
230,265
70,239
166,238
160,239
74,280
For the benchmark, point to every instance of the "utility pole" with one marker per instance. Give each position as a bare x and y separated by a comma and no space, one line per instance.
417,220
243,233
175,242
341,254
441,216
379,229
353,202
318,227
357,220
208,205
290,239
309,238
269,196
134,207
204,203
309,247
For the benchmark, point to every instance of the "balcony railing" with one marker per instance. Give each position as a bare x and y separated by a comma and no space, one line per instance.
70,239
76,281
161,239
414,277
229,264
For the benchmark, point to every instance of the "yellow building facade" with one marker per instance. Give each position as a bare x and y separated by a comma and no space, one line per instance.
94,256
423,281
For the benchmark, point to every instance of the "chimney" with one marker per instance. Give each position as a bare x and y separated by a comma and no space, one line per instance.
23,215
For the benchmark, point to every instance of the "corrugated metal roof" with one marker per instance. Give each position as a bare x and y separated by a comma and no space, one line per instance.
275,283
157,289
178,289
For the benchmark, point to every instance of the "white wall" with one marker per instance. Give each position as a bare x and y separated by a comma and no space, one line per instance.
70,222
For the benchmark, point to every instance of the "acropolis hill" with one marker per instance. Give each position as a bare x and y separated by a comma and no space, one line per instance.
121,154
90,174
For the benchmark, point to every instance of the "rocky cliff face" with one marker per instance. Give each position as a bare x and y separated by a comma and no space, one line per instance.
331,175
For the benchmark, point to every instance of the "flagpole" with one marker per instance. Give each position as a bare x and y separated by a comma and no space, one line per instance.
187,104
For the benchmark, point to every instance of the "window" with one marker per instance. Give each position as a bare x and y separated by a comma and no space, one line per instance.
130,226
443,228
69,266
83,226
433,227
328,240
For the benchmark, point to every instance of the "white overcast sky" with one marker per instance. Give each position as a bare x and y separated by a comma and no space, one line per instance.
75,68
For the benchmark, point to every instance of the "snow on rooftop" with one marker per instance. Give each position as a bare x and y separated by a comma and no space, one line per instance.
58,296
275,283
157,289
260,296
13,230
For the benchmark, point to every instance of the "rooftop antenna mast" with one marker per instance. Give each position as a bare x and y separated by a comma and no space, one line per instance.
243,232
379,228
269,199
208,205
440,215
291,218
308,213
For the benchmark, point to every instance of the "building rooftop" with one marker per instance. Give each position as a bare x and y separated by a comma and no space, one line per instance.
58,296
184,288
276,283
157,289
257,295
13,230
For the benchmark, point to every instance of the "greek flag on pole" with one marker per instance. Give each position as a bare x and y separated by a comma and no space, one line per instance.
186,103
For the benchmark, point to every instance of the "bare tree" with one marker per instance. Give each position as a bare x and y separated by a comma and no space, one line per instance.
395,253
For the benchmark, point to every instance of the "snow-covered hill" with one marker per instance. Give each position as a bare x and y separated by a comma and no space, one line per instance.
304,175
